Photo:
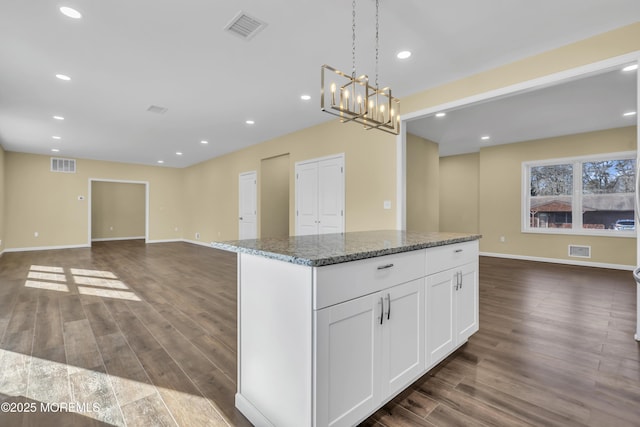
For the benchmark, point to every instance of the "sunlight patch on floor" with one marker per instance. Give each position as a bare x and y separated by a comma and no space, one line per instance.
61,388
49,286
94,282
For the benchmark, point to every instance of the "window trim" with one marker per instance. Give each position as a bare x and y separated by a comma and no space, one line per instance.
576,199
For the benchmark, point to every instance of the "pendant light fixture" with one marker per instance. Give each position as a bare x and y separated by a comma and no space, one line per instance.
352,98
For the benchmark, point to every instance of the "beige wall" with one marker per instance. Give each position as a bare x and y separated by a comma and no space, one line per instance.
422,184
38,200
274,196
211,187
117,210
459,189
2,198
500,197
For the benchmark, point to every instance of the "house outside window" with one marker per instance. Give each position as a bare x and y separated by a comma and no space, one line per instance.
591,195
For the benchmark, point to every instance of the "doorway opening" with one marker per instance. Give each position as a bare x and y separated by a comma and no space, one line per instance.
118,210
274,196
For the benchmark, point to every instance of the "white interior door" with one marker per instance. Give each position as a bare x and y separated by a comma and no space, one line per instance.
331,195
248,209
307,198
320,196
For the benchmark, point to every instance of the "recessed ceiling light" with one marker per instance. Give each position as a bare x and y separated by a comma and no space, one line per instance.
55,150
161,161
63,77
630,113
441,114
485,138
403,54
250,122
71,13
58,117
56,137
178,153
305,97
630,67
204,142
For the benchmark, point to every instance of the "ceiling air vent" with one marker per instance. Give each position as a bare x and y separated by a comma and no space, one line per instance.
245,26
156,109
580,251
63,165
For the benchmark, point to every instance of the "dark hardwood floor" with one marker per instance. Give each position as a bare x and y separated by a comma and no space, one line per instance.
133,334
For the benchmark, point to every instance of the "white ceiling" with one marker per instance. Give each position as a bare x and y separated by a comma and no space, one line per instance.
124,56
583,105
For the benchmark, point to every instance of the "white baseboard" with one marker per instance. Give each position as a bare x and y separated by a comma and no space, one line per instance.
561,261
112,239
197,242
165,241
45,248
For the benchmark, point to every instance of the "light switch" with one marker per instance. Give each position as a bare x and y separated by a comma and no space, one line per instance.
387,204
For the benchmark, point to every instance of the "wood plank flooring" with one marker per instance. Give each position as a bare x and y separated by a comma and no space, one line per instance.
131,334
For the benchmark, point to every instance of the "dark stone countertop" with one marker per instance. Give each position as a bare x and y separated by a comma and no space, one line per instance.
327,249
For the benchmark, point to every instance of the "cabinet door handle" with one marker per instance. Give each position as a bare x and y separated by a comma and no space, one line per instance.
388,306
461,280
458,251
384,267
381,310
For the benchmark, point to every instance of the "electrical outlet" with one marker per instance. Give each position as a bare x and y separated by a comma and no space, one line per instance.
197,236
36,234
111,228
503,239
387,204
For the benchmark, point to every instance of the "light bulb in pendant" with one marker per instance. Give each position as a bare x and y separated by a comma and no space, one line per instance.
333,94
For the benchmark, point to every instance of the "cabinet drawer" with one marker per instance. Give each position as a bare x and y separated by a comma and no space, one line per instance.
445,257
337,283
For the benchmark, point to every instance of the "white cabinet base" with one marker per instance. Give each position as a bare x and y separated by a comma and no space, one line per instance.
328,346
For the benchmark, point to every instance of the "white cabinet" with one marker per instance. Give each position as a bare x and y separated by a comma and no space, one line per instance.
451,302
320,196
329,345
369,349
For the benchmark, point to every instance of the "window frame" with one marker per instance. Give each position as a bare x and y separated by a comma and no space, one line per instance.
576,197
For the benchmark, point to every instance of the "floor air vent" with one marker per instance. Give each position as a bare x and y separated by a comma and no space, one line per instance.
580,251
245,26
63,165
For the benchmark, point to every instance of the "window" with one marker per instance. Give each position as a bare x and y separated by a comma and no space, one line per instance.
584,195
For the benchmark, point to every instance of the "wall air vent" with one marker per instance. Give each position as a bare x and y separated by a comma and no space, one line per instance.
156,109
245,26
63,165
580,251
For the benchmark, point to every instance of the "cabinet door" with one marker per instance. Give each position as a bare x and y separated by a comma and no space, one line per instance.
348,361
467,303
439,312
402,335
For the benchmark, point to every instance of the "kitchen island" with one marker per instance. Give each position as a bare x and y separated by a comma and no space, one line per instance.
331,327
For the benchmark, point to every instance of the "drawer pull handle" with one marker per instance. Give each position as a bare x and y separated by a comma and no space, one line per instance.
458,251
388,306
384,267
